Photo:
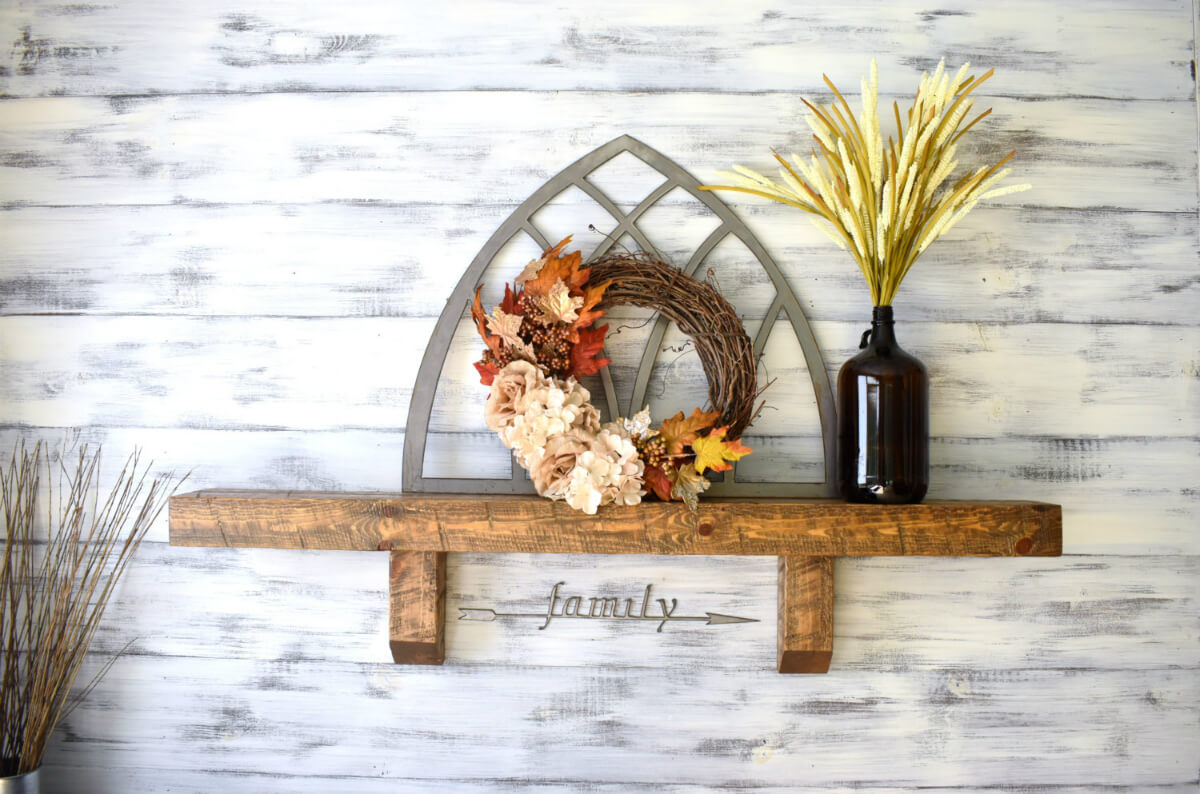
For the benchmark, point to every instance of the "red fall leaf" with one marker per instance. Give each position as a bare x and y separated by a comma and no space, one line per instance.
590,344
656,480
509,304
487,372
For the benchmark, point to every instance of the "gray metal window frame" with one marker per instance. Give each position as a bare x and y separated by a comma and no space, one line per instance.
424,390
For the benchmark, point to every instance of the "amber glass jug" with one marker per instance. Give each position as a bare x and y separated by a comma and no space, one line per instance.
883,420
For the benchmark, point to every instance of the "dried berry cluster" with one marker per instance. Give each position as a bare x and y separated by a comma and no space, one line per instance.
546,318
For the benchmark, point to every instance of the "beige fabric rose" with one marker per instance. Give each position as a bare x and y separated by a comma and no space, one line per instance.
507,397
551,475
589,470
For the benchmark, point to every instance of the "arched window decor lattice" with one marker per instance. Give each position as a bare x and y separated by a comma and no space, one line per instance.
520,221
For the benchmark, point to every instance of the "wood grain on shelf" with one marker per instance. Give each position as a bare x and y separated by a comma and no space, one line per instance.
412,522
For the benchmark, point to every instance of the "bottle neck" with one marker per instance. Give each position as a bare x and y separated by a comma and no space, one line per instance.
883,326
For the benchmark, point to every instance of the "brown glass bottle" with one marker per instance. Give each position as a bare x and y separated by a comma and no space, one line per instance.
883,420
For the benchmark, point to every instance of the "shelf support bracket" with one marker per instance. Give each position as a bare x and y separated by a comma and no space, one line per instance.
417,607
805,632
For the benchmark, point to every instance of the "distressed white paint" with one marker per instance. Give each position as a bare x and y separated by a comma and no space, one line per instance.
228,229
704,725
1002,265
425,147
1116,49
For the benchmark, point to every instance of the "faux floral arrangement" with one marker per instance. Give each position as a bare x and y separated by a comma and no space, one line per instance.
885,202
540,339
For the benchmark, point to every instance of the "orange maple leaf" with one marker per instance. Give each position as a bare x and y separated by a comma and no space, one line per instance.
478,314
714,452
656,480
591,296
487,372
591,342
493,342
555,251
559,266
678,432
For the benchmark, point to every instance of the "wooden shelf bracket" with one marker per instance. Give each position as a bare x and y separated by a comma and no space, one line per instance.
417,607
805,633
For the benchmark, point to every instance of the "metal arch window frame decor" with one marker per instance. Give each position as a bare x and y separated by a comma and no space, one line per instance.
521,220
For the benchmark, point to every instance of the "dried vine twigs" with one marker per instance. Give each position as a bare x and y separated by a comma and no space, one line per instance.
58,571
700,312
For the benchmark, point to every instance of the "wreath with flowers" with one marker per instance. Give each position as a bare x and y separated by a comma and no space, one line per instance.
542,337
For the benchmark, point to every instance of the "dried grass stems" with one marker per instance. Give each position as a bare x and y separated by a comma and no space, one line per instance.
699,310
885,202
56,579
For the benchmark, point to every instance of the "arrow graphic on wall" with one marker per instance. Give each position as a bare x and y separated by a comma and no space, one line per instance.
605,608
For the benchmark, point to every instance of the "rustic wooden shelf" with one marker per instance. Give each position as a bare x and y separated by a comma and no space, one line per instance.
419,529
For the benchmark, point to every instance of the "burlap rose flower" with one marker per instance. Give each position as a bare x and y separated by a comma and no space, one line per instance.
509,389
589,470
551,474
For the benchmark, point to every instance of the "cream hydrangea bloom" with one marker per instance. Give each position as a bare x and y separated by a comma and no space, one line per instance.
547,411
627,484
610,471
554,431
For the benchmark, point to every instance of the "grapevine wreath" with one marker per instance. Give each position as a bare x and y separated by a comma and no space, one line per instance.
543,337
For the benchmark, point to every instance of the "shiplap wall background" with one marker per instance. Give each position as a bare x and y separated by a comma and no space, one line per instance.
228,228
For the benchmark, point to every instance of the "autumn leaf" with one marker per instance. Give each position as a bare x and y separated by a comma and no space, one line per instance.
678,432
713,452
535,265
736,446
591,296
530,271
478,314
558,305
487,372
656,480
687,484
494,343
507,327
591,342
511,299
559,266
555,251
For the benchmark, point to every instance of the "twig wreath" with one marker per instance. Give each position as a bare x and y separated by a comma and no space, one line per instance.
543,337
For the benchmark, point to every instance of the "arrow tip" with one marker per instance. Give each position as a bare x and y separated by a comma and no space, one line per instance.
716,619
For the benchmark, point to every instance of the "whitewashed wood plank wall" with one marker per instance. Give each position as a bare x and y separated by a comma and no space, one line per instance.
228,228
